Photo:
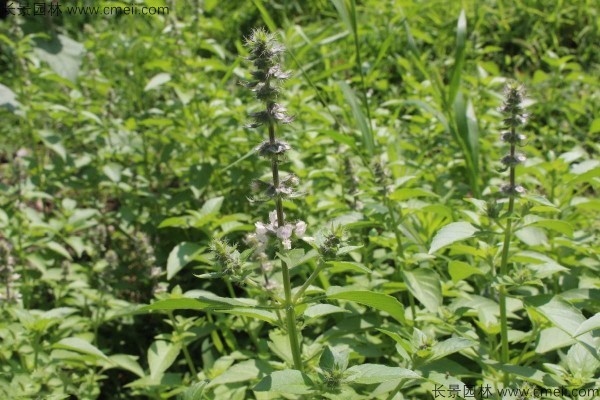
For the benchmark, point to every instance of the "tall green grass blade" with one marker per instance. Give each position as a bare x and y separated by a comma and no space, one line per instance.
468,137
265,15
459,57
342,8
359,117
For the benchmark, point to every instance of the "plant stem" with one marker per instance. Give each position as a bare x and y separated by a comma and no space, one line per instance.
186,353
504,356
287,285
308,281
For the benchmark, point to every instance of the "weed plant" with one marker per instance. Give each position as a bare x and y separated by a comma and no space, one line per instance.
132,264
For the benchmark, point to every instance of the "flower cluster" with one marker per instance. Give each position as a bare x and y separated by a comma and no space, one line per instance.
514,117
268,74
7,272
228,258
284,232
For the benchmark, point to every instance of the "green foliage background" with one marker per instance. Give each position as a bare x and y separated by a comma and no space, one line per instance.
123,138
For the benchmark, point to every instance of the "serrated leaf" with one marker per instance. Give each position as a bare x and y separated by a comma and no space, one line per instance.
161,355
379,301
460,270
556,225
368,374
242,372
59,249
80,346
451,233
588,325
425,285
320,310
263,315
128,363
343,266
450,346
289,381
182,303
180,256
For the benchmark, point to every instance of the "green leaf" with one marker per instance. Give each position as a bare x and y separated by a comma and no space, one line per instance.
128,363
334,360
379,301
180,256
195,392
561,313
556,225
263,315
460,270
343,266
8,99
212,206
289,381
374,373
59,249
359,117
80,346
113,171
242,372
183,303
527,374
450,346
54,143
459,56
342,8
588,325
451,233
425,285
161,355
409,193
320,310
157,81
62,54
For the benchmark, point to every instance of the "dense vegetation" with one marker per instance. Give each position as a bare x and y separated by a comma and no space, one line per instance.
416,230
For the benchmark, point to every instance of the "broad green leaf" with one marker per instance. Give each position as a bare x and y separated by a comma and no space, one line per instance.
561,313
559,226
157,81
343,266
333,360
450,346
581,362
180,256
588,325
54,143
182,303
320,310
212,206
528,374
263,315
241,372
8,98
58,248
161,355
128,363
425,285
460,270
379,301
80,346
113,171
374,373
289,381
451,233
195,392
63,55
409,193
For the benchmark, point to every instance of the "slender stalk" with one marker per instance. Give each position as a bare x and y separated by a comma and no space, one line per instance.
287,284
186,353
308,281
